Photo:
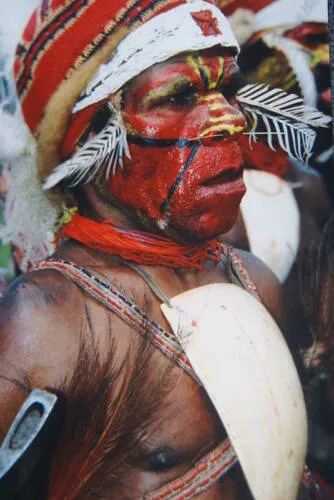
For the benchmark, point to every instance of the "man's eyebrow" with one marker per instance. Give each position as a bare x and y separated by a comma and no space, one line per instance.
173,86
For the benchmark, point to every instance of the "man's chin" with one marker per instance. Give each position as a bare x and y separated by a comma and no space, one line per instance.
194,231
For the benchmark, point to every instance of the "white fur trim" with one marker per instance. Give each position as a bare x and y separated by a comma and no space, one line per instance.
14,135
159,39
30,218
291,13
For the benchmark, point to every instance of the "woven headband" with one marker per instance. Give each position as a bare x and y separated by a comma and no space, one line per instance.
196,25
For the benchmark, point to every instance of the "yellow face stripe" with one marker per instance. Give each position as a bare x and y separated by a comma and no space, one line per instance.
199,66
211,97
193,63
207,72
221,70
215,101
219,106
217,119
231,129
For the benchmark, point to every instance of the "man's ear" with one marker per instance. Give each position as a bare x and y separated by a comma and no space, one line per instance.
89,199
70,199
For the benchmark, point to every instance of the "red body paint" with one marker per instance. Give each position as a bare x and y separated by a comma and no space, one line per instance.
193,189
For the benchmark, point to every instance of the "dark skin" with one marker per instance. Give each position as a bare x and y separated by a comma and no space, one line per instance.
41,341
43,317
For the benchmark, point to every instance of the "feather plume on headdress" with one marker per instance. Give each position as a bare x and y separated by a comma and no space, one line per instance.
104,151
283,116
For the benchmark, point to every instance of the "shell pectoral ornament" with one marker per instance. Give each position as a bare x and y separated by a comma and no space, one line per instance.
239,354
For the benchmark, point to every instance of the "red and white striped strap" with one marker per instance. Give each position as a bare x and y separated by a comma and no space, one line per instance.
122,306
208,470
201,477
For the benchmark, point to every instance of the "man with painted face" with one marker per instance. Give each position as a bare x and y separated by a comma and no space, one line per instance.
132,105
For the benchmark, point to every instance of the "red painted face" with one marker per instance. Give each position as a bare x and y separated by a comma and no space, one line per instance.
185,174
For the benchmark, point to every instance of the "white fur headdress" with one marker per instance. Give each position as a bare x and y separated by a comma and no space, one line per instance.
29,216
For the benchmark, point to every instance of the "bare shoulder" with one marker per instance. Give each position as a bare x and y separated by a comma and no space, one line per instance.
36,304
39,338
268,286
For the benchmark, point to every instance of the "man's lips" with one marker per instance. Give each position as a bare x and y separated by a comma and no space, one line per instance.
229,176
227,185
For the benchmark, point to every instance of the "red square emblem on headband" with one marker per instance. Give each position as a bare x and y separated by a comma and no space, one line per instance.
207,22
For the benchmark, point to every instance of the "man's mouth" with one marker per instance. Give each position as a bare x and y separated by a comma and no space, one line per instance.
227,176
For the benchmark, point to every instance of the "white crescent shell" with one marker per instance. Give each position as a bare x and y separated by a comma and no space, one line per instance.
272,221
240,356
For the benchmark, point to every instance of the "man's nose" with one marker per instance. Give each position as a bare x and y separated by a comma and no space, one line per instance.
224,119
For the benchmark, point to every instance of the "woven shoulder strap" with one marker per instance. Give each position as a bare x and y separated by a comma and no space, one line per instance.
236,270
122,306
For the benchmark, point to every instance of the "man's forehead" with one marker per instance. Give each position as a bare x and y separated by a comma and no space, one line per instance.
212,52
179,65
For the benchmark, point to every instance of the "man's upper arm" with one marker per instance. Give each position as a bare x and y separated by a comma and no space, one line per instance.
14,383
36,346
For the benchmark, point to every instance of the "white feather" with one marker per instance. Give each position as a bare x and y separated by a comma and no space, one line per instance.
105,150
284,117
277,101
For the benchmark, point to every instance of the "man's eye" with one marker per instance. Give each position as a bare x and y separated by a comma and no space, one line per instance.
184,98
163,459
